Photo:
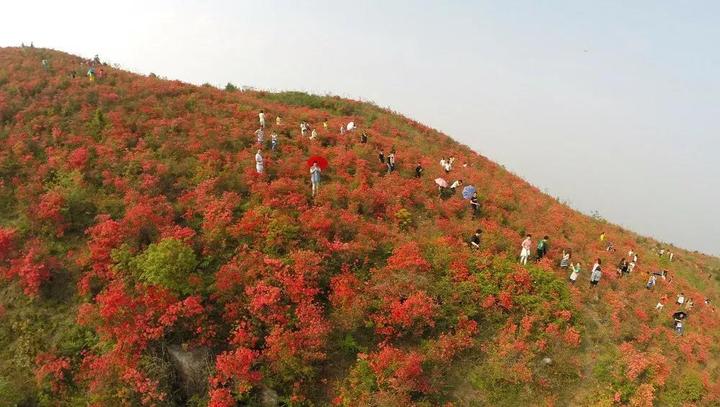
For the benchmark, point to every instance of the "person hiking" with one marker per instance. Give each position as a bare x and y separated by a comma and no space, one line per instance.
315,178
542,247
575,272
474,204
91,74
260,135
381,157
661,303
313,134
261,117
303,128
363,138
259,167
391,162
455,185
278,121
565,260
273,141
596,273
418,170
678,319
446,164
622,267
651,282
525,249
680,299
475,239
602,237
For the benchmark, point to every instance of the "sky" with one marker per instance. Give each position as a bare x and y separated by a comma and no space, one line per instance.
611,106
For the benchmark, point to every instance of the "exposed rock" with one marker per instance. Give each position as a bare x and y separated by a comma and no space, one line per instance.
269,397
193,367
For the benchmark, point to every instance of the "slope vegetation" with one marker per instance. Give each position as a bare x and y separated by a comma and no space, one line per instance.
144,261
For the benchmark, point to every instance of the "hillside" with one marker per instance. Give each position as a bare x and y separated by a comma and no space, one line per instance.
144,261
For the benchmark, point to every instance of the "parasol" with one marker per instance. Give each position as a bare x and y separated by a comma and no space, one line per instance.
441,182
468,192
321,161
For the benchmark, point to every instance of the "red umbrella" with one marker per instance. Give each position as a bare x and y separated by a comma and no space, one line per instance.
321,162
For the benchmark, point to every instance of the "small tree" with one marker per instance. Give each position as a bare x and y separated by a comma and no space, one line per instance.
168,264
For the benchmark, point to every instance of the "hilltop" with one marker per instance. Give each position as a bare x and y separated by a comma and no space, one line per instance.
145,261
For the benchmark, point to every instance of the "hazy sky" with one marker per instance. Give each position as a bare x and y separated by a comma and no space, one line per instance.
613,106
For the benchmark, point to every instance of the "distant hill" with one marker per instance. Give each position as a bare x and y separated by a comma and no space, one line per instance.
145,261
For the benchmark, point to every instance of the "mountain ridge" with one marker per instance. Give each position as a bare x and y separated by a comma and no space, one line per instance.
133,220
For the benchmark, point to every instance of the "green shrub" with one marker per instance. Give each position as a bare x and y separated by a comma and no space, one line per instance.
404,218
168,264
690,389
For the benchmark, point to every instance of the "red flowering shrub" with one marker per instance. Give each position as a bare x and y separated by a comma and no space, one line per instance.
78,158
30,269
54,369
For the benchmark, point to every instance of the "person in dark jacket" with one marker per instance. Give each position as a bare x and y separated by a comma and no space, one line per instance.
475,204
475,239
542,247
418,170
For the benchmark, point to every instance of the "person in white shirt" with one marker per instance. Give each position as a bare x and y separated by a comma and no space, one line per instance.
259,167
315,178
596,273
575,272
455,184
390,162
313,134
260,134
261,117
525,247
565,261
680,299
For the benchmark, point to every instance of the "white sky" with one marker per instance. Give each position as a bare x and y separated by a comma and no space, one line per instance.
612,106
